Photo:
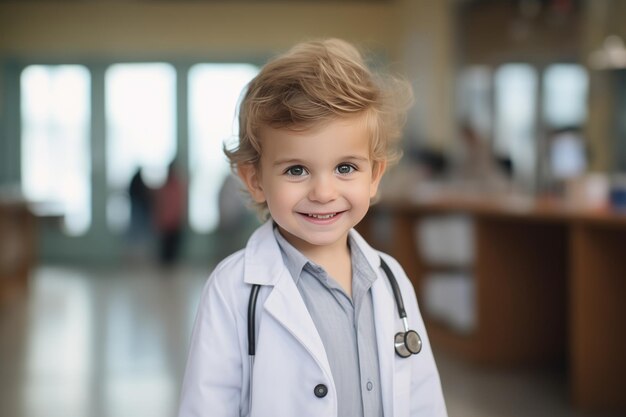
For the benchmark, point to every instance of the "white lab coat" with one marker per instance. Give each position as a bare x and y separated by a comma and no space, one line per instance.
290,358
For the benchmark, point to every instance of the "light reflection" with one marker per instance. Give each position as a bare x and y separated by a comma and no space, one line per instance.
130,395
133,340
59,353
106,343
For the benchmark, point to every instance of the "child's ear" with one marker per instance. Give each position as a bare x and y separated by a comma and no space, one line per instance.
250,177
378,169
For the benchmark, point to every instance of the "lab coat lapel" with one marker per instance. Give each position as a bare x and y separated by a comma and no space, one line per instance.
285,304
264,266
384,309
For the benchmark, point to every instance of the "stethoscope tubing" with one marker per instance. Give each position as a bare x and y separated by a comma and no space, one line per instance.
396,291
254,294
397,295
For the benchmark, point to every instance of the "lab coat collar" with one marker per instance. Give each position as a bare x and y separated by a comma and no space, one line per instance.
263,263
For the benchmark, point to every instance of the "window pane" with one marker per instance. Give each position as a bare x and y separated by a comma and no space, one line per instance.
565,95
515,105
56,161
214,91
141,130
474,100
565,112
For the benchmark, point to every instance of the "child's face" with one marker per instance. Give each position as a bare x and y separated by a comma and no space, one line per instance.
317,184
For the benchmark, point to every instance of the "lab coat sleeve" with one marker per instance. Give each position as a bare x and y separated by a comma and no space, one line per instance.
426,392
212,383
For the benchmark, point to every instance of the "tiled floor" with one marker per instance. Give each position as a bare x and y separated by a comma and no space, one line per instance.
108,343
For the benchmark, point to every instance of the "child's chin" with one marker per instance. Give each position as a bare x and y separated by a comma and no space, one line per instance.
325,239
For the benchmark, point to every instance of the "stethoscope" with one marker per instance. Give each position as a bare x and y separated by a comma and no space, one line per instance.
406,343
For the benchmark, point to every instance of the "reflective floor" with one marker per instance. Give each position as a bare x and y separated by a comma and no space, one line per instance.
112,343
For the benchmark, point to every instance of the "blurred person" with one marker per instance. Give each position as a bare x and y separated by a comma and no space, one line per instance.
169,215
140,232
236,222
301,321
420,173
476,164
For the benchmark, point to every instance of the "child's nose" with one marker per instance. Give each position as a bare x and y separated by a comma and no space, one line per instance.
323,190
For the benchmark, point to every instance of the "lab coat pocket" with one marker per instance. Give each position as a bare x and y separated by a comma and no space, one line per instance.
402,386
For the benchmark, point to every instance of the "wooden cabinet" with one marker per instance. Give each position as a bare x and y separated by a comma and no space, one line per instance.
597,312
17,247
550,285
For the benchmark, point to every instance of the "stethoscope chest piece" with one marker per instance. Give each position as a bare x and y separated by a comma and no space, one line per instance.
407,343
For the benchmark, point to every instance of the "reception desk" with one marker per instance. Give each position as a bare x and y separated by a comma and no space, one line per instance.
549,283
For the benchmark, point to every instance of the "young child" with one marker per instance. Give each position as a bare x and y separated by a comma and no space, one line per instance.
304,320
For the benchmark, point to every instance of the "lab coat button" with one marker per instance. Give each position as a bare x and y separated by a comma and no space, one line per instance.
320,391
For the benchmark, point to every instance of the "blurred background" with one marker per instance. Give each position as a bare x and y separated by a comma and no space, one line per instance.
508,209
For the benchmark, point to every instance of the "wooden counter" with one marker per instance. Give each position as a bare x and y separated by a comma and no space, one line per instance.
550,285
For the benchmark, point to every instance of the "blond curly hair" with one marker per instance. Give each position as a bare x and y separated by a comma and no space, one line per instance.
316,82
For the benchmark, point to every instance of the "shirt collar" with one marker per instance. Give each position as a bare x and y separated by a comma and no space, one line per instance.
360,267
295,261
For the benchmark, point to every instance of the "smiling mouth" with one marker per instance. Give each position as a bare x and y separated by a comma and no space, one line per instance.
322,216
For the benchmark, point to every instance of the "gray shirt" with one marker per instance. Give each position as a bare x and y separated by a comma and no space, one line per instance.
345,325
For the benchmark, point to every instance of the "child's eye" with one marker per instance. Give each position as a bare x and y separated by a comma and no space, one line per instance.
344,169
296,171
